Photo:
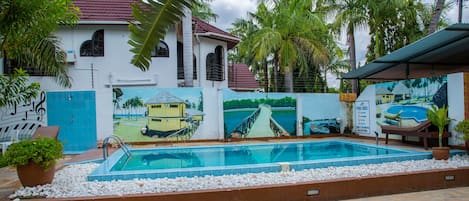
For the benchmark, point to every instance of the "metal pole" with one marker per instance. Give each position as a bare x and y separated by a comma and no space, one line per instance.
92,76
460,11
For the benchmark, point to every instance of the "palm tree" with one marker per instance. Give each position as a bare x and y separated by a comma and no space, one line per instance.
26,35
116,98
349,15
336,66
152,20
436,16
244,51
132,104
201,9
292,31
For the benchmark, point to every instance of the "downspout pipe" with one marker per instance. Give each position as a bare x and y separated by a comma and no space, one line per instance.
199,75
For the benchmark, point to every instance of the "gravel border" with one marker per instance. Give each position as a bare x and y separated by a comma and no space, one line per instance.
71,180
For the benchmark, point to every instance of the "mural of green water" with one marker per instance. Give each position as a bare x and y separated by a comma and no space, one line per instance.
251,115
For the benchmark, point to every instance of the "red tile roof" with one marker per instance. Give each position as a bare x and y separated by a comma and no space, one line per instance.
120,11
105,10
201,26
241,78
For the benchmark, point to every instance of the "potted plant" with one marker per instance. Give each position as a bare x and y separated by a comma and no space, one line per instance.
463,127
35,160
439,118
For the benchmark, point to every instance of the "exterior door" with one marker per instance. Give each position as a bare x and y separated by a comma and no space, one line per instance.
75,113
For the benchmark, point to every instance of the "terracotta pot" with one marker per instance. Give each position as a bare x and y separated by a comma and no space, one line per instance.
32,174
440,153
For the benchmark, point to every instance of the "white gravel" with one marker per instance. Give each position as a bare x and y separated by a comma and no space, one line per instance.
71,181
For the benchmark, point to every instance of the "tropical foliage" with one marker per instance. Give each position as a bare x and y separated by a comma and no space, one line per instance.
133,103
26,35
15,90
439,118
43,151
290,37
463,127
202,10
152,21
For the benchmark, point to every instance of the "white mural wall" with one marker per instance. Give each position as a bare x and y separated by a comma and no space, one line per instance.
20,121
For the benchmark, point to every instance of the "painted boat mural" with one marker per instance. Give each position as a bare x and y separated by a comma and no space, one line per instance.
321,114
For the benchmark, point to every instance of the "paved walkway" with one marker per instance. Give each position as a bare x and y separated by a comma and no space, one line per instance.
450,194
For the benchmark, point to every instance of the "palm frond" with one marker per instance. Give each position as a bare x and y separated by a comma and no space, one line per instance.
153,19
47,56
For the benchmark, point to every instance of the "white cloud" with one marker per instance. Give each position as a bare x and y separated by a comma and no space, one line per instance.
228,11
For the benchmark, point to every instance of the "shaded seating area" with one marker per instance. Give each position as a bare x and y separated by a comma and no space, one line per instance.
424,131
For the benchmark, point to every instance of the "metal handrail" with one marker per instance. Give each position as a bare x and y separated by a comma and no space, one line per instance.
119,141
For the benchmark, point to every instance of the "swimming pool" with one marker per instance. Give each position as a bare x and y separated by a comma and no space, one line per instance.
417,113
246,158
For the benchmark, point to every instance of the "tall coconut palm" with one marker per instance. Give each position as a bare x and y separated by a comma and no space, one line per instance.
201,9
245,29
293,30
350,15
436,16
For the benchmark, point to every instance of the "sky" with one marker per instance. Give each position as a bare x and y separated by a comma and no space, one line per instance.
229,10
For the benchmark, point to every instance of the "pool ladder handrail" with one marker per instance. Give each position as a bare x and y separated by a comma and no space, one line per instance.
119,141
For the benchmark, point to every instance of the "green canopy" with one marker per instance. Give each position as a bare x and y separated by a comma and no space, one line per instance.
443,52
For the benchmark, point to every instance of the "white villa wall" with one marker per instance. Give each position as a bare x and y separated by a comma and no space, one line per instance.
207,46
114,69
456,103
115,66
213,118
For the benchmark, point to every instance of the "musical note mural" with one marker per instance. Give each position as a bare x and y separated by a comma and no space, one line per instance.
20,121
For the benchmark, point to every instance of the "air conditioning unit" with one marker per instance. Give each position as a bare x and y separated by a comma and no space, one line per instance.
71,58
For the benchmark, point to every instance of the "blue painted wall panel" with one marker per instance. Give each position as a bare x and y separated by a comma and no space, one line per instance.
75,113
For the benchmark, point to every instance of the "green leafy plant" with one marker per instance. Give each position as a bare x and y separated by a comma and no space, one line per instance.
43,151
3,163
439,118
14,89
463,127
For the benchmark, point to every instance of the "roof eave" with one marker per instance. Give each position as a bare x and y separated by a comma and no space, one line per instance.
228,38
102,22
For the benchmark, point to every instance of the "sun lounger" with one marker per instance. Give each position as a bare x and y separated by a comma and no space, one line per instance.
46,131
421,130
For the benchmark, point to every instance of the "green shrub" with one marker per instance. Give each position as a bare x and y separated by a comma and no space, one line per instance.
3,162
463,127
43,151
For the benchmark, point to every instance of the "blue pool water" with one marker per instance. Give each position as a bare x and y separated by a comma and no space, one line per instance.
238,159
417,113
